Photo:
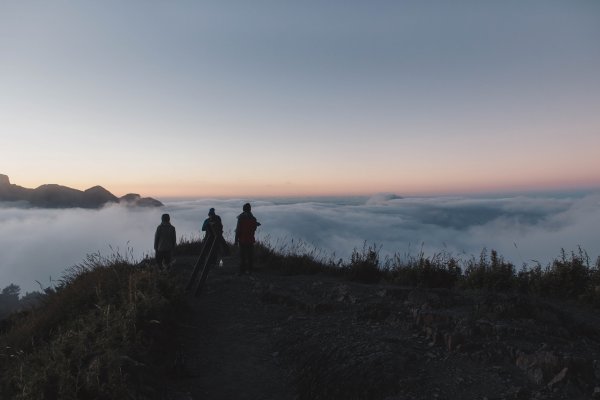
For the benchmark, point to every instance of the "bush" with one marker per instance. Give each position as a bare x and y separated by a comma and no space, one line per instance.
568,277
364,265
592,294
294,259
529,280
9,300
494,274
440,271
188,246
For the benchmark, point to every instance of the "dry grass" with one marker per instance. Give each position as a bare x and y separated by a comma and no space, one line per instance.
92,336
569,277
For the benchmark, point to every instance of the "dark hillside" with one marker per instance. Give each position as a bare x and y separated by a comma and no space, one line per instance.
52,195
58,196
278,334
96,197
93,337
11,192
299,328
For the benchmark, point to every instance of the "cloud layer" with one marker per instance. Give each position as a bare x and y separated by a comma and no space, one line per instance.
39,244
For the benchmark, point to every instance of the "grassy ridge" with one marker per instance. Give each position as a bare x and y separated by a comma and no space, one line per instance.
91,337
95,334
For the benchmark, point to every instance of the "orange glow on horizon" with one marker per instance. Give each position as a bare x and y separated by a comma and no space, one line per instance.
415,186
236,191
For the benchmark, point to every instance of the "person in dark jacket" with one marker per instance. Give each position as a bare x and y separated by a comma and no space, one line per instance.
212,225
165,240
244,237
213,228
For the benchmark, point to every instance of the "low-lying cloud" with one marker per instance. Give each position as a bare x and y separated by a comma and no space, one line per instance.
39,244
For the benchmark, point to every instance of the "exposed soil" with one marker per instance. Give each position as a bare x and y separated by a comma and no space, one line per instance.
268,336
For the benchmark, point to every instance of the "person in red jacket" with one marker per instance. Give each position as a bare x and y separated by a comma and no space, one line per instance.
244,237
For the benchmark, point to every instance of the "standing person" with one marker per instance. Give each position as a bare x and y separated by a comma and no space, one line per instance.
244,237
165,240
214,232
212,225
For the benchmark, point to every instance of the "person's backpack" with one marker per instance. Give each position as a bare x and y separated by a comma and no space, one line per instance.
217,226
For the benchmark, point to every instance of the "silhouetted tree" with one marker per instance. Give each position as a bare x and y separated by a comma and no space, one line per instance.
9,299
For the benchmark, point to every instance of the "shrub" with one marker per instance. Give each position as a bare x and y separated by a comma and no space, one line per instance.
440,271
294,259
493,274
567,276
529,279
364,265
9,300
188,246
592,294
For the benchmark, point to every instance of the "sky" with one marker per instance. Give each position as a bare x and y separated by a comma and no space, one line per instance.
40,245
287,98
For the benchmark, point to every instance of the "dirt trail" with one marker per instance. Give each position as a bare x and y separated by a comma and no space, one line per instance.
226,346
272,337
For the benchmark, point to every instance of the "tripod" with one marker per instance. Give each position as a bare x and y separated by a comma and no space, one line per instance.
207,253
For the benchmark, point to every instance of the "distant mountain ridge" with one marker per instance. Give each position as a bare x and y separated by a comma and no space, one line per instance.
58,196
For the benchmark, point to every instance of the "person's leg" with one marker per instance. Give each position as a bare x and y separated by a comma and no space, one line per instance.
250,255
167,259
160,256
243,258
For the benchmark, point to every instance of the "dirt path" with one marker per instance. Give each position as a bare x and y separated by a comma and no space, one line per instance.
226,342
272,337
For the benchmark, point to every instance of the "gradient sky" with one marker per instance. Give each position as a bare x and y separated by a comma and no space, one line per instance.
229,98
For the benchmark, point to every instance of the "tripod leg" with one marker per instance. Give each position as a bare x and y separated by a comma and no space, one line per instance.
196,270
206,268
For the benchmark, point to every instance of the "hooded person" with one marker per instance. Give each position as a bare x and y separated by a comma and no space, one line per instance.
244,237
212,226
165,240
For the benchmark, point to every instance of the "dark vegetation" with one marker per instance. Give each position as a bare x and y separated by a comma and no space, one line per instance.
90,337
441,327
11,300
95,334
572,276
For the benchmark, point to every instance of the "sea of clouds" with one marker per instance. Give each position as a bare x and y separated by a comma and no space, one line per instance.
37,245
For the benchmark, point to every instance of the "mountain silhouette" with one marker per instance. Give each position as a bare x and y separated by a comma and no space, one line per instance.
58,196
